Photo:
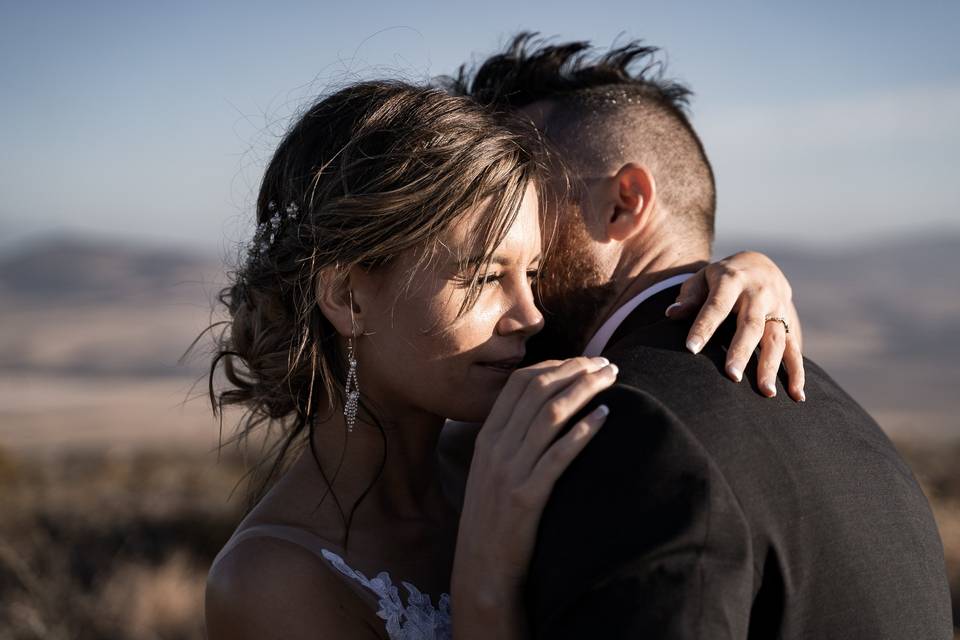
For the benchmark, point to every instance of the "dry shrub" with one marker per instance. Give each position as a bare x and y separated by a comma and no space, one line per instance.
96,545
108,546
162,601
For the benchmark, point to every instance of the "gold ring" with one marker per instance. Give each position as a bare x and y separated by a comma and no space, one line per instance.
782,321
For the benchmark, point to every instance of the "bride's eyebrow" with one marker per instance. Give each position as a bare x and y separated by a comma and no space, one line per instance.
477,261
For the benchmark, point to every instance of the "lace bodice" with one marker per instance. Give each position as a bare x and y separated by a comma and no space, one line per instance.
418,620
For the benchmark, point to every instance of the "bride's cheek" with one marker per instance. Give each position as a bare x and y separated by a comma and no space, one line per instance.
486,313
458,331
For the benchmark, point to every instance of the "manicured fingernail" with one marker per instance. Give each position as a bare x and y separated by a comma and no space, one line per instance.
615,369
770,389
602,411
673,307
694,344
803,396
735,372
602,361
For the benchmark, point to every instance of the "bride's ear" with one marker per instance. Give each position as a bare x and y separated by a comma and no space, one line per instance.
341,301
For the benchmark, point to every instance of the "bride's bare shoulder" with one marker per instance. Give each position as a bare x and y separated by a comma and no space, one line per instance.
269,588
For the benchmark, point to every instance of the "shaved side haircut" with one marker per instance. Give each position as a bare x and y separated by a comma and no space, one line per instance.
602,111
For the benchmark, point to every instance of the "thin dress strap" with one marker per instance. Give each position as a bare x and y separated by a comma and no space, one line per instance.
297,536
417,620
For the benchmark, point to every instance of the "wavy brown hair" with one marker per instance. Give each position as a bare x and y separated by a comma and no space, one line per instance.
368,173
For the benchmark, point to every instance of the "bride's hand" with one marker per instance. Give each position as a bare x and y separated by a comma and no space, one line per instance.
750,285
516,462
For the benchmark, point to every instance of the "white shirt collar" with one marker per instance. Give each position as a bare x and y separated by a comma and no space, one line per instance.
599,340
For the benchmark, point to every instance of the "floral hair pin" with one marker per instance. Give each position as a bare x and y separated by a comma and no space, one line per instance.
268,230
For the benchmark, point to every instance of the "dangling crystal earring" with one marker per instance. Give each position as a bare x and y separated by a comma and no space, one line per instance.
352,389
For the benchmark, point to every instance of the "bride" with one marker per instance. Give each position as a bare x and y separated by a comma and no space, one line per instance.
390,286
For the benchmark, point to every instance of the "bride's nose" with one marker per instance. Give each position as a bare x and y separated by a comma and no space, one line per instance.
522,316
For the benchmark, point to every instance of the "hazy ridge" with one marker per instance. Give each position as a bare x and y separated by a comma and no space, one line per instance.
883,318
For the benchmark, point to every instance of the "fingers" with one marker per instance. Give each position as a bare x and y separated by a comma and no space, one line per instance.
793,363
528,390
750,327
771,354
511,392
692,295
559,456
776,347
734,283
751,285
554,414
718,306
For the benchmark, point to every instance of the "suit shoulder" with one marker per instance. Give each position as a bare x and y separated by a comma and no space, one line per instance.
643,437
638,414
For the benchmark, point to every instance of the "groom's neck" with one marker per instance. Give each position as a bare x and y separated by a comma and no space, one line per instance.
640,270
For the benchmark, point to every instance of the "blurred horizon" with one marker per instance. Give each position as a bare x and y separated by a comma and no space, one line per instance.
881,317
226,248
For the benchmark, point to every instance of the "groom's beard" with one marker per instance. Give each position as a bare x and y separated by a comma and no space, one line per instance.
572,292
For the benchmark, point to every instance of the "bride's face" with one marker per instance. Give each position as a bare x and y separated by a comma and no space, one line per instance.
419,356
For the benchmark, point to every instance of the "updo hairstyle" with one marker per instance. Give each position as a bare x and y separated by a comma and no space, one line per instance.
364,175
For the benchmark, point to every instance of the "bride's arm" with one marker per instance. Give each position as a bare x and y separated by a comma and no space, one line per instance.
752,286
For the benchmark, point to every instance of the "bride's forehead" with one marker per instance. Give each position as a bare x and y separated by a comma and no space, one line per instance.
524,234
521,237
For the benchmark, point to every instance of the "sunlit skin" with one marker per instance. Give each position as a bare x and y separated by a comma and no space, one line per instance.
417,359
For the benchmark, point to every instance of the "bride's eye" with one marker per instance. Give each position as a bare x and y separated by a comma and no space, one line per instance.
490,278
533,275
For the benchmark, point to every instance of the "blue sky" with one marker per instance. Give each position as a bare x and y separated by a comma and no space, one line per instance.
826,122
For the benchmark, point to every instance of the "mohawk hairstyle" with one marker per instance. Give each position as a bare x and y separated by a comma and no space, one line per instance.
530,70
607,109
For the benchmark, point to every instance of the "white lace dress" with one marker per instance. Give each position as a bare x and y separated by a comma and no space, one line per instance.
417,620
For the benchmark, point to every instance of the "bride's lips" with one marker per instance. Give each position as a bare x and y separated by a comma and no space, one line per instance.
505,366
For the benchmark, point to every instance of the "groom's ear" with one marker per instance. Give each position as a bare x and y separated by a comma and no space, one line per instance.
634,200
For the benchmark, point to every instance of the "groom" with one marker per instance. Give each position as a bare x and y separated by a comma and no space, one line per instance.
702,509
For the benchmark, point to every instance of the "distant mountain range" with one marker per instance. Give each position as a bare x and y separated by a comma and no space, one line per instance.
66,269
884,318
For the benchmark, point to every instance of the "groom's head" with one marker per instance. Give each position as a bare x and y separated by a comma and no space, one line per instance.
641,190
